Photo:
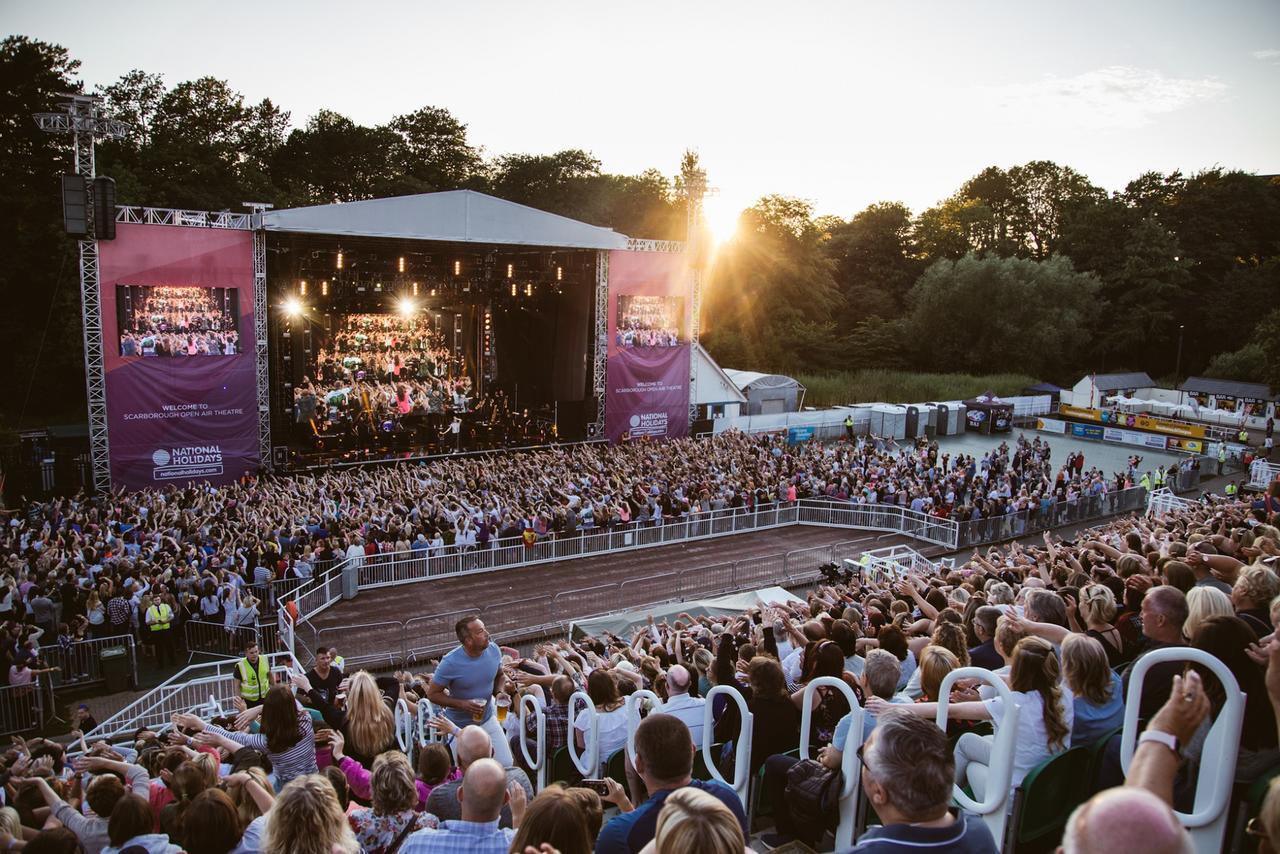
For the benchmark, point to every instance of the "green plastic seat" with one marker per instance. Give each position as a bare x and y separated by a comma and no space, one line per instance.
1097,750
761,804
700,770
616,766
562,769
1046,798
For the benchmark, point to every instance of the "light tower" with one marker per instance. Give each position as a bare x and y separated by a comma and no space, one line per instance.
80,118
693,187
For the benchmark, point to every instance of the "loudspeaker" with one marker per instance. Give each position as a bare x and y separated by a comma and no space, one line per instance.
104,208
75,206
280,456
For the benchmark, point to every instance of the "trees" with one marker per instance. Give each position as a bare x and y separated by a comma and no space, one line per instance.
992,314
875,262
38,278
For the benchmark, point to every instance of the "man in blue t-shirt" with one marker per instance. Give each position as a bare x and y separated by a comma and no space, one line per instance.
472,674
664,761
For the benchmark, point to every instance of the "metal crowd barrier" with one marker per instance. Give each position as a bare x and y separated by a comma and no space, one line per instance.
22,707
221,640
80,662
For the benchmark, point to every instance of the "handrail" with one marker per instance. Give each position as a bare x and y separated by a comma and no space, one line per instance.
405,721
633,719
588,763
1000,778
850,764
1218,756
741,744
538,764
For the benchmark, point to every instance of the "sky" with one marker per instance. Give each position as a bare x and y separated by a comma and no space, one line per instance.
841,103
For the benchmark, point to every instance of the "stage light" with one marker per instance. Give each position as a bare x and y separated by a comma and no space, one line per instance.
457,268
559,273
511,268
339,259
406,306
433,291
514,286
415,289
302,288
401,263
528,289
324,288
293,308
377,286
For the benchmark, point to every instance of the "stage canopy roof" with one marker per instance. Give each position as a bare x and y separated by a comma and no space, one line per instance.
458,216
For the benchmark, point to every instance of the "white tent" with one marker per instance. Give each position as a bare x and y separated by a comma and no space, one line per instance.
623,622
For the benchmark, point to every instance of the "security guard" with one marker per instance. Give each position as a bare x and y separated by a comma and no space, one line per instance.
1243,436
1145,482
848,427
159,619
1159,477
254,675
1232,489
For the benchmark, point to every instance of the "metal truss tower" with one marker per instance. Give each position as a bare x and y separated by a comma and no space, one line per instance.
260,350
694,187
600,352
80,119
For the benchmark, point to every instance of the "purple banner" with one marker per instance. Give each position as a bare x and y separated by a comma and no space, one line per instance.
178,335
648,394
649,352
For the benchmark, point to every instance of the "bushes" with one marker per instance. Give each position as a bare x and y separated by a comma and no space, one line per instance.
867,386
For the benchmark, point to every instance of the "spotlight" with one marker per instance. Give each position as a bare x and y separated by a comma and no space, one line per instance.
559,273
406,306
514,286
528,289
339,259
511,268
302,288
457,268
324,288
401,263
433,291
293,308
415,289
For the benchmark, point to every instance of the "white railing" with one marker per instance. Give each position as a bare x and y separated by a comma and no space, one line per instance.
1207,823
850,764
1162,502
894,562
1262,473
994,806
190,687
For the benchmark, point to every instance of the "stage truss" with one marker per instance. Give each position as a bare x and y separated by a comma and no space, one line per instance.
260,352
599,358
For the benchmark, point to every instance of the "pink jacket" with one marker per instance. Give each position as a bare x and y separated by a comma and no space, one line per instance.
358,779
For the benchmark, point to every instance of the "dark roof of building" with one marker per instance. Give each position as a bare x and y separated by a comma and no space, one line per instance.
1231,388
1116,382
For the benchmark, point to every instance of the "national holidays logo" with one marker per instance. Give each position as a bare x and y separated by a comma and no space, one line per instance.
193,461
649,424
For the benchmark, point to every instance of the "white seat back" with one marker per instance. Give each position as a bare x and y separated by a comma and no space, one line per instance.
994,808
850,765
529,705
588,761
741,781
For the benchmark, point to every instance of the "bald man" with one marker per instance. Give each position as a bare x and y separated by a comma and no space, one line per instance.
483,796
472,744
1125,819
690,710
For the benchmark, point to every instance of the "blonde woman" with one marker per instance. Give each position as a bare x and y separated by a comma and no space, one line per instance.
692,820
251,801
1098,690
367,723
1096,612
395,797
1044,719
1253,590
307,819
1203,603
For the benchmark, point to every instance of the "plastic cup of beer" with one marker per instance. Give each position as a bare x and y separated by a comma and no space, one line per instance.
503,704
477,712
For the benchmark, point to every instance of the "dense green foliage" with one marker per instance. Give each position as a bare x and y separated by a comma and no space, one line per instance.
875,385
1030,269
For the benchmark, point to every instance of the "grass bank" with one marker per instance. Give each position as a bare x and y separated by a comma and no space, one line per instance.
868,386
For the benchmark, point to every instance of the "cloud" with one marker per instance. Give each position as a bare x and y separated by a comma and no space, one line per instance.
1270,53
1117,96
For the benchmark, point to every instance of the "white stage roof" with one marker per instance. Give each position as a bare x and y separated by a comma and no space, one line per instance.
461,216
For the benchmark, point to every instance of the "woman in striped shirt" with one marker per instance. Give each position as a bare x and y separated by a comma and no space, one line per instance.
287,737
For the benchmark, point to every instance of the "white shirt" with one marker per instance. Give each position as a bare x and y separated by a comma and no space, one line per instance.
1032,743
612,733
688,709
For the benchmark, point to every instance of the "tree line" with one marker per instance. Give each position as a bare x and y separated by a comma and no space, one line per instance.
1031,268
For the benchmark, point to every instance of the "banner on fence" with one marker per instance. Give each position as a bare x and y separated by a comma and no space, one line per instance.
1127,419
1051,425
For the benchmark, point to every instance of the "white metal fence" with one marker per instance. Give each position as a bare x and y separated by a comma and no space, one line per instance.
1262,473
22,707
80,662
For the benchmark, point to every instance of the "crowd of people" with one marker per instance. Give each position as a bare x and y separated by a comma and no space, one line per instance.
178,321
127,563
648,321
313,764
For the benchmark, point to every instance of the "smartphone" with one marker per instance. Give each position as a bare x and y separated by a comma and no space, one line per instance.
756,618
600,787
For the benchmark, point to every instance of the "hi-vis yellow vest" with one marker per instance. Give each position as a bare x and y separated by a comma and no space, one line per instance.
159,616
254,684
